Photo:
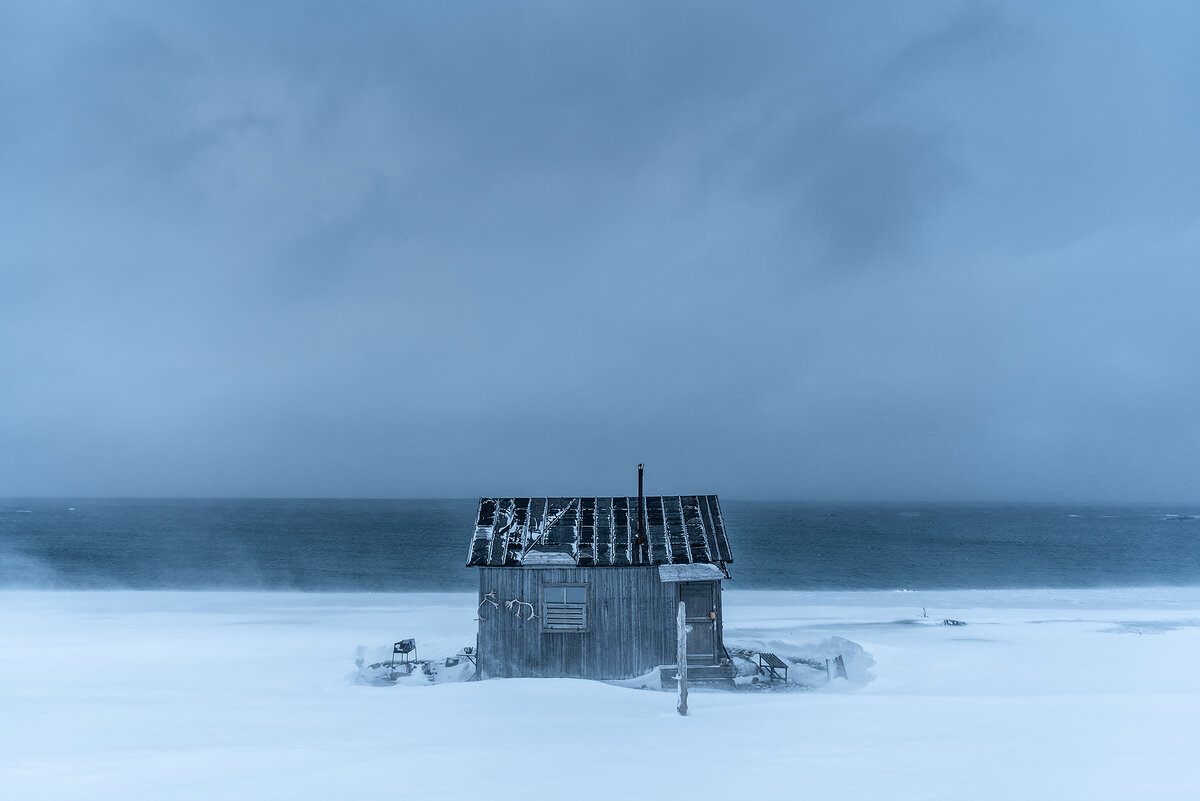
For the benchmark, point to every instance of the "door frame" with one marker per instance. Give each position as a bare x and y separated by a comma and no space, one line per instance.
718,641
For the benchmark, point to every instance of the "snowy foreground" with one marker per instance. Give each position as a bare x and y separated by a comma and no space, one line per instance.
186,695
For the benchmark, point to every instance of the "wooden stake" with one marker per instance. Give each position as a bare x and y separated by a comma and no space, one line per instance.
681,657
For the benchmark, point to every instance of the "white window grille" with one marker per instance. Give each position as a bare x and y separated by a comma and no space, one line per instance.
564,607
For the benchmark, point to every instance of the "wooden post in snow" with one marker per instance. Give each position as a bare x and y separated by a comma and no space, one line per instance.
681,657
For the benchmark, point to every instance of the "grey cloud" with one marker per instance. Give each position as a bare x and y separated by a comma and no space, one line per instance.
789,250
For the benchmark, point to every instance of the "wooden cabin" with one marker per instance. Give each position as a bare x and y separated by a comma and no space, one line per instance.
589,588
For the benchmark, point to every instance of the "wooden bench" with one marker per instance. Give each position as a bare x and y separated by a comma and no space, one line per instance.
772,665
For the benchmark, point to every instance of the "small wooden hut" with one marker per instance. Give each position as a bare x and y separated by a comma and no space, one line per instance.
589,587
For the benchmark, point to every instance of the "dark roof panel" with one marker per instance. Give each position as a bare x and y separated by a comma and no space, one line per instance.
698,539
716,525
676,533
682,529
605,541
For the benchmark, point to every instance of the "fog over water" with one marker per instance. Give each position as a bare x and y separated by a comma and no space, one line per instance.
935,251
414,545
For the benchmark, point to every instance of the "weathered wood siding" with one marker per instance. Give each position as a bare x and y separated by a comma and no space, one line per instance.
630,629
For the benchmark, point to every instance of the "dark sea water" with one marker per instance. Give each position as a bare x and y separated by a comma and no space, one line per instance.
382,545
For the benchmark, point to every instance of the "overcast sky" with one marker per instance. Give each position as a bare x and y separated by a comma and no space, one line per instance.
880,251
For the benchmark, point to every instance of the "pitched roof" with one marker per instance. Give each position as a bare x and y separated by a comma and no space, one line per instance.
682,529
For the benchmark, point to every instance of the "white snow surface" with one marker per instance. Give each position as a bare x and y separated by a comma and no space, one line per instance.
1046,694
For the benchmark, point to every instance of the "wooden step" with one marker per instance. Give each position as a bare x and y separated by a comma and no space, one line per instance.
706,675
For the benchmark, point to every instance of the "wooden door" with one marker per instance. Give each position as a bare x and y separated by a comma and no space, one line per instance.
700,604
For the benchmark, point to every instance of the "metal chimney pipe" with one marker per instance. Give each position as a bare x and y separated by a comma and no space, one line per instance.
642,550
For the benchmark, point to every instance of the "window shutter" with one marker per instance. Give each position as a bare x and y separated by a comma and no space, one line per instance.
564,607
560,615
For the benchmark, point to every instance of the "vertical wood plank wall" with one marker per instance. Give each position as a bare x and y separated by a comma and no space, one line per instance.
631,624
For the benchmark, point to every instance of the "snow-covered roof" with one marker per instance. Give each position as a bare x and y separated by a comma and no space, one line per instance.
586,532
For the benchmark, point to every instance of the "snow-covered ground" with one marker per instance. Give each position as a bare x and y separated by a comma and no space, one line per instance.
187,695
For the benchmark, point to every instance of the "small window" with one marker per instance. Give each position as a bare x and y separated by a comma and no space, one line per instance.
564,607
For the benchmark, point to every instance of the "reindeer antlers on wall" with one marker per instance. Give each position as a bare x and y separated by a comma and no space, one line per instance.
515,605
489,598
